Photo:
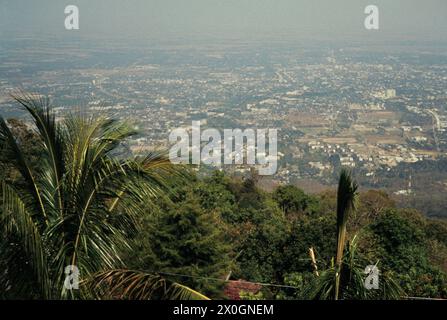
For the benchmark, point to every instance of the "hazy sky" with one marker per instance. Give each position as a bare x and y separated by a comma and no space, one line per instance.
334,19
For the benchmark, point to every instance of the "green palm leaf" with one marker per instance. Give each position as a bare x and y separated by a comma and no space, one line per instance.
136,285
346,201
17,220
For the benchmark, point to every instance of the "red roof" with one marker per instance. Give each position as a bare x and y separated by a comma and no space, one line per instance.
233,288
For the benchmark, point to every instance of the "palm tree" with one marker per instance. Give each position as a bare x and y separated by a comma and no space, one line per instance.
352,280
77,206
346,201
346,272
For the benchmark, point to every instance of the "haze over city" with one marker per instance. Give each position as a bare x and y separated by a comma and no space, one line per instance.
217,19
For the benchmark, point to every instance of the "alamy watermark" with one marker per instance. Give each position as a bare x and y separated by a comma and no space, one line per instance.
72,17
235,146
371,21
71,281
372,278
372,18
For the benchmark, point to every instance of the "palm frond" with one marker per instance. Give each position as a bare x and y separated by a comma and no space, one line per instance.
15,155
346,202
136,285
17,220
52,136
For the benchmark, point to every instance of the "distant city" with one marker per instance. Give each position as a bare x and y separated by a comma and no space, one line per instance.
379,110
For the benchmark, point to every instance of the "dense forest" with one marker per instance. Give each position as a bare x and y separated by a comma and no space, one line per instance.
142,228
